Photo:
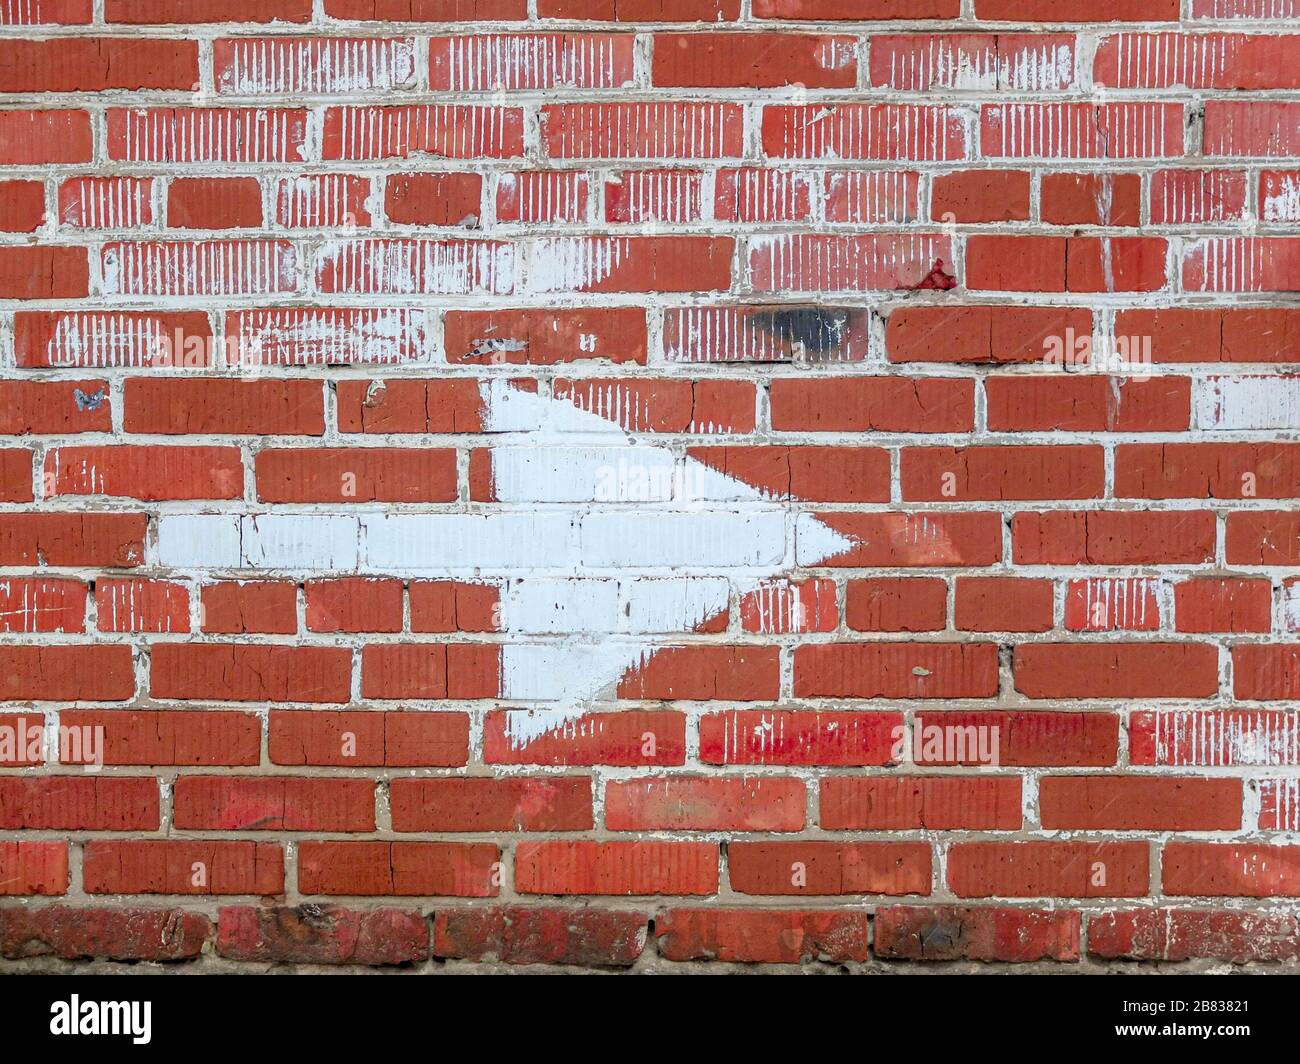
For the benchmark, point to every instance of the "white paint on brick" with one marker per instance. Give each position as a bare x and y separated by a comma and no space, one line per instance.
1226,404
492,61
316,65
498,542
1283,203
313,336
206,267
199,541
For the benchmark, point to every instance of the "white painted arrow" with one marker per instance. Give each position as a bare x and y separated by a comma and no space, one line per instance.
603,541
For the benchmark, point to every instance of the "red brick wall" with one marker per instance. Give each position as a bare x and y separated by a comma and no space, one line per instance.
649,482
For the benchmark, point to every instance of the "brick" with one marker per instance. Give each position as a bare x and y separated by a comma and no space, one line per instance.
214,203
36,138
872,404
530,61
43,272
885,131
1048,869
919,62
1101,537
111,338
1091,199
146,473
1227,605
963,474
647,196
186,11
825,474
1117,670
28,868
272,803
1183,197
323,934
981,196
159,866
356,475
753,60
517,934
1061,264
449,131
402,869
762,737
397,739
765,334
79,803
1266,672
895,670
933,803
199,268
890,604
1263,537
823,868
1104,604
629,737
951,933
93,673
743,674
207,135
746,195
543,196
876,261
1097,11
1234,128
642,10
903,540
167,737
1139,803
1022,738
556,803
855,10
1229,870
95,539
1207,470
233,607
250,672
1085,403
54,407
334,65
42,605
141,606
230,407
354,605
1186,934
676,868
546,337
1129,130
74,933
997,334
430,670
452,606
731,803
782,606
426,10
23,204
323,200
872,196
758,936
49,12
704,407
434,199
1002,604
94,64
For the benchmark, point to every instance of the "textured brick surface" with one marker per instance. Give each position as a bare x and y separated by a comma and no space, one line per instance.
650,485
